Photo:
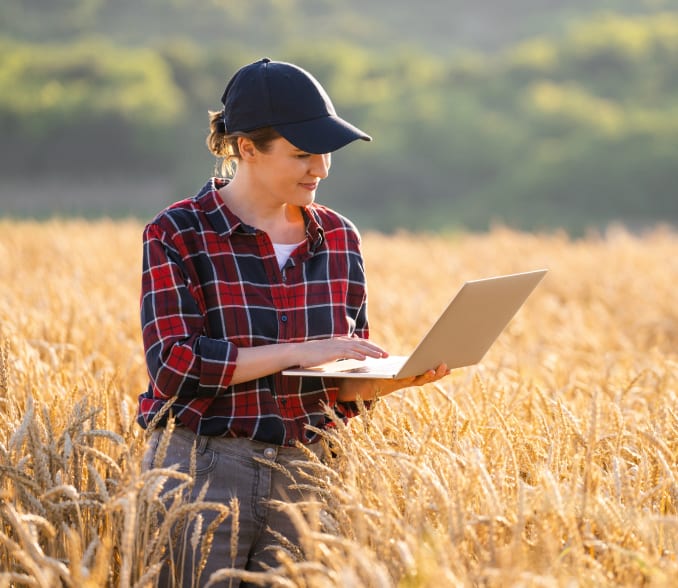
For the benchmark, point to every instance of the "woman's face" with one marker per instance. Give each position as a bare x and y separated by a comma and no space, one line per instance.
285,174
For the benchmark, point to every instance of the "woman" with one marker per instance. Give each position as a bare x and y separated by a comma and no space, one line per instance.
249,277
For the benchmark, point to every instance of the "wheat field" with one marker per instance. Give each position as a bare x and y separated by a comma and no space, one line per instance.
553,463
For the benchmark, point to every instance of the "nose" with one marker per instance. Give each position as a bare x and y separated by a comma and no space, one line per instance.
320,165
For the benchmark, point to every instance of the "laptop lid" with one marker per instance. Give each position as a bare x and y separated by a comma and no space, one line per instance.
471,323
460,337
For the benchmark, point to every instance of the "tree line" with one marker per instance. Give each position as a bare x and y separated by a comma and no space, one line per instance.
574,129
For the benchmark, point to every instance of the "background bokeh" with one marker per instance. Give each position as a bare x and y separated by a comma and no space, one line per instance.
532,114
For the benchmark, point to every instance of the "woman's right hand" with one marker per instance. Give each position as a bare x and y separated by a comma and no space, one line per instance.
260,361
313,353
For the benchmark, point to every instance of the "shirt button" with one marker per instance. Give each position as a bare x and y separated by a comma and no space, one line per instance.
283,318
292,442
269,453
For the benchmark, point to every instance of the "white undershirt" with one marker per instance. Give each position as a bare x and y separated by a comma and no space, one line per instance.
283,251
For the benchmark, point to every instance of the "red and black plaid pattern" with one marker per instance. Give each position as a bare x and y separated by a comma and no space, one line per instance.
211,284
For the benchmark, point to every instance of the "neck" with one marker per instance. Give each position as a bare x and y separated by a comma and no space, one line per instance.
284,222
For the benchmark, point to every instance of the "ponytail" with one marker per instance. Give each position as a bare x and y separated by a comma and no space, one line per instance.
225,146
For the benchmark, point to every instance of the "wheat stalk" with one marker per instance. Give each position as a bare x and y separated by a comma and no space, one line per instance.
551,462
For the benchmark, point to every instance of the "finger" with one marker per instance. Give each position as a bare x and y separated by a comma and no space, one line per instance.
361,353
370,349
427,377
367,342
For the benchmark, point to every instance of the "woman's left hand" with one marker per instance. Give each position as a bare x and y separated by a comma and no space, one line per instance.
369,389
432,375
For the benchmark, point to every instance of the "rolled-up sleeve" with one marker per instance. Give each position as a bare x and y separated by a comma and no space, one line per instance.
181,360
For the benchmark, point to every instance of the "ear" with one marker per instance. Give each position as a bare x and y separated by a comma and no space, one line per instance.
246,148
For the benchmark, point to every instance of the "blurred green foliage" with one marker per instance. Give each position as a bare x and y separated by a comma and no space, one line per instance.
574,128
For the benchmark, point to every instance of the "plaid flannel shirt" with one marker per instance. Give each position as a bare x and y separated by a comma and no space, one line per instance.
211,284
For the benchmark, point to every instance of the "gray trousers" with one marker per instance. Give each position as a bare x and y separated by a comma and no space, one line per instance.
234,468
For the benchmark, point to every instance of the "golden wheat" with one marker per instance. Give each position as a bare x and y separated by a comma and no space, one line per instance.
552,463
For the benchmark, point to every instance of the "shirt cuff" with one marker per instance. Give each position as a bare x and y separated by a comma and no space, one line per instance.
217,363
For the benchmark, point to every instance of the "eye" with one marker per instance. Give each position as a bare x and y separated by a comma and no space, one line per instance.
303,155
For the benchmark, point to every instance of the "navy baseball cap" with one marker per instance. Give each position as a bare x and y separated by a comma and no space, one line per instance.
284,96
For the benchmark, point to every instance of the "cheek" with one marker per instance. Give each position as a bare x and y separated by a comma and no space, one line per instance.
294,170
279,174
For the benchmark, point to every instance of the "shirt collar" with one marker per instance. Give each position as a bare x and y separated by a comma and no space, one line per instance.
225,222
314,231
221,218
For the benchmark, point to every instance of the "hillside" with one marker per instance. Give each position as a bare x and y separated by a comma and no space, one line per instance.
552,114
440,25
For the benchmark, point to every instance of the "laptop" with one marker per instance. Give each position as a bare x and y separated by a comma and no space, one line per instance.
460,337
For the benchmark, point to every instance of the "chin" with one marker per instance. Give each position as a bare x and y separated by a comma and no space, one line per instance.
309,198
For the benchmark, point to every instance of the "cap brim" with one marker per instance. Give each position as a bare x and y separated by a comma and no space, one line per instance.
321,135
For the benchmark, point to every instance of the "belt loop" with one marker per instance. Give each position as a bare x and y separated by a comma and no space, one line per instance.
202,444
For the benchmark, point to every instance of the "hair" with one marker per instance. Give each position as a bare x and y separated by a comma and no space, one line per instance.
224,145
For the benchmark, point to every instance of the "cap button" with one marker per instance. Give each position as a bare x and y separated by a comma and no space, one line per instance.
265,60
